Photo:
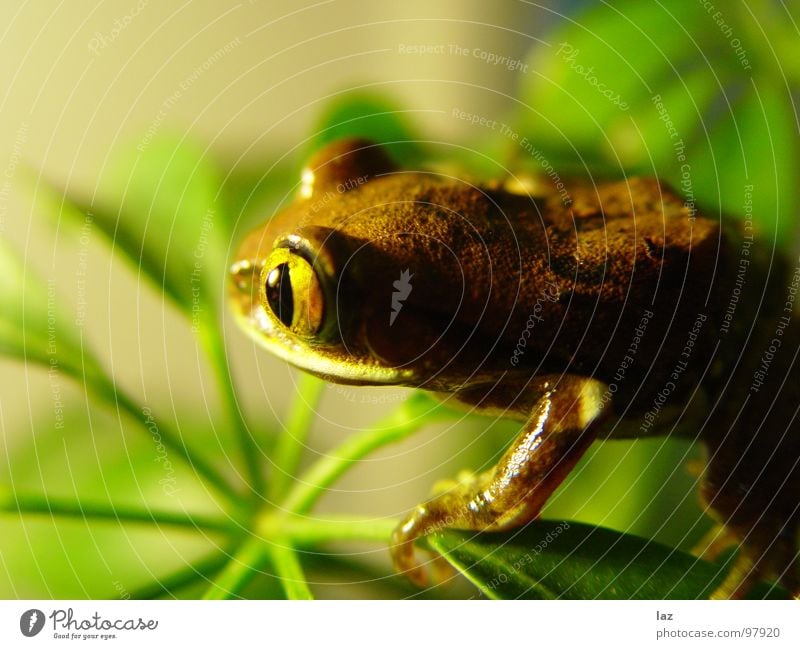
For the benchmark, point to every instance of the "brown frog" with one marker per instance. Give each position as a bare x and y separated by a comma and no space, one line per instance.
607,311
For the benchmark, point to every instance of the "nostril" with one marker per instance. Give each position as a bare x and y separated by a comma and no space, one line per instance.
241,273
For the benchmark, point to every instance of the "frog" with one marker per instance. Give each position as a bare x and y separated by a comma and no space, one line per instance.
614,309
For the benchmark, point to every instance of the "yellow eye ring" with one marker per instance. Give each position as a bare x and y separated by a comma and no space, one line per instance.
292,293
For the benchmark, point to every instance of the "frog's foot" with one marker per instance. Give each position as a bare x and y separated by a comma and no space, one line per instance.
718,539
425,519
456,506
695,468
742,576
775,561
464,478
563,423
738,582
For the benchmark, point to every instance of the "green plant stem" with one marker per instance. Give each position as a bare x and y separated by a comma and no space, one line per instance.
214,346
42,504
239,570
100,385
276,538
395,427
289,450
118,398
182,578
288,569
304,530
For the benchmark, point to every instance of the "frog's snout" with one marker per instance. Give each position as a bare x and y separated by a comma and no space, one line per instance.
243,276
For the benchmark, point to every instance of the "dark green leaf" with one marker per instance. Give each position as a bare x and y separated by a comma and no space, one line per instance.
561,560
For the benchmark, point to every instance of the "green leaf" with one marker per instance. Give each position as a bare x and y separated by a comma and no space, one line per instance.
288,569
288,452
35,328
23,308
64,558
34,504
158,204
172,224
755,145
648,137
253,195
176,583
372,116
239,570
638,88
124,468
567,560
595,69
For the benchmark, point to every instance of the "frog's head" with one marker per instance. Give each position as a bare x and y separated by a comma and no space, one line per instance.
368,277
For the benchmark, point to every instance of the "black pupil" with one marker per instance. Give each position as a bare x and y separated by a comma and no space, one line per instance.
279,293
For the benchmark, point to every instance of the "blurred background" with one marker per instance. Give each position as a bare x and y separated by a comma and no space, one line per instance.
701,95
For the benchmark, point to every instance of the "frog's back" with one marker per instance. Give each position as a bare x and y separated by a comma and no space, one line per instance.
637,303
614,283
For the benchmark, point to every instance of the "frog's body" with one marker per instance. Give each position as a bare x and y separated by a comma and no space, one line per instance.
617,314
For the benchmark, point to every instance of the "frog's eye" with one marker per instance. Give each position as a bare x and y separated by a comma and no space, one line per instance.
293,293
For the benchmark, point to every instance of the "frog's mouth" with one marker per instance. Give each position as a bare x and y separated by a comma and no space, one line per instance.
330,361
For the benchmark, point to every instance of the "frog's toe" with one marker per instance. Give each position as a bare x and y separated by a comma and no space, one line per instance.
425,519
448,510
465,479
716,541
742,577
402,547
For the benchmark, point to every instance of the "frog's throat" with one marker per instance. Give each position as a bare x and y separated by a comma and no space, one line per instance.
338,366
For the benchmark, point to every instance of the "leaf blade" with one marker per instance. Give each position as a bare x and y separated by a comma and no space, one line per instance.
568,560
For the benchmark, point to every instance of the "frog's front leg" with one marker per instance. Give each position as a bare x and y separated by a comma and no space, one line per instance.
562,424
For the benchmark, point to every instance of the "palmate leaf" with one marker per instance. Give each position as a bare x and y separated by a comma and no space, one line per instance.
568,560
162,206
